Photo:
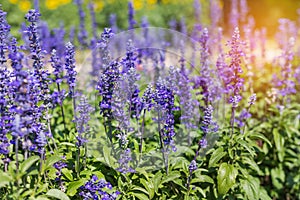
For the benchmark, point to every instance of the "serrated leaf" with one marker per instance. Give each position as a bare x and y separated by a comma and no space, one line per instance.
226,178
216,156
58,194
28,163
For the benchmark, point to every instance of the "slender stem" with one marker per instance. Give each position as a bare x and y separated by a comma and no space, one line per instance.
142,132
78,162
50,133
17,156
232,120
162,143
62,109
85,156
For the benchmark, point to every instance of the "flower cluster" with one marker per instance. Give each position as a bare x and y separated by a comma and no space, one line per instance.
97,189
4,31
106,86
70,67
84,110
124,162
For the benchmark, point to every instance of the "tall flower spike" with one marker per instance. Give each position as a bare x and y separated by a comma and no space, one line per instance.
131,21
70,67
83,110
4,31
82,34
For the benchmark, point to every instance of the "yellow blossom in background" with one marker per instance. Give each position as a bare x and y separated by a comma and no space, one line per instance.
24,5
52,4
166,1
99,5
137,4
151,2
13,1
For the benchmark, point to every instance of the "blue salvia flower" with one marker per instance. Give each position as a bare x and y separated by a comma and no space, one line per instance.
164,104
244,115
198,9
124,162
215,13
131,21
103,48
5,115
40,75
82,33
193,166
72,34
58,40
130,59
286,84
70,67
234,14
59,166
113,23
94,22
82,119
56,63
58,67
243,10
235,53
106,86
4,31
95,189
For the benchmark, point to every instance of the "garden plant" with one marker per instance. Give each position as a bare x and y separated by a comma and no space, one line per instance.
193,110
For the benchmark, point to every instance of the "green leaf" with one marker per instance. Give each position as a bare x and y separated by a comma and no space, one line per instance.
52,160
202,179
140,196
226,178
171,177
58,194
140,189
149,187
107,156
67,173
261,137
216,156
263,195
251,163
279,143
5,179
246,145
28,163
250,188
157,181
73,186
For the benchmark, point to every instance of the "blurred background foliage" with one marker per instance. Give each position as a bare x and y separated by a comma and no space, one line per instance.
159,12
